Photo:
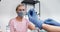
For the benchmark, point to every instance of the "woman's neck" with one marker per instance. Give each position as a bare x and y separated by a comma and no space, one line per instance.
19,18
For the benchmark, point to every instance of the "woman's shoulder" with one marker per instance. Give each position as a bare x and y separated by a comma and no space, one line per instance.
26,19
12,20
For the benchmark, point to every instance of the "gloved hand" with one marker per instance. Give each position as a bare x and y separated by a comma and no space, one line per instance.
51,22
33,17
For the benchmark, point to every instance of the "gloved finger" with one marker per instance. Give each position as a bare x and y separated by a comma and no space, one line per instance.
49,19
32,12
29,16
51,22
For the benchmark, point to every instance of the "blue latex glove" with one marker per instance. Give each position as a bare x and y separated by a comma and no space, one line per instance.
51,22
32,15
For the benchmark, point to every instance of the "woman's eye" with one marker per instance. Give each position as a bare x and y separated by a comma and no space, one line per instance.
23,9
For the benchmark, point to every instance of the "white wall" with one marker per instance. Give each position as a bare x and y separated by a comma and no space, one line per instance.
50,9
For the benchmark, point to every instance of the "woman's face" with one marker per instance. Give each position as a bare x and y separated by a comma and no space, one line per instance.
21,11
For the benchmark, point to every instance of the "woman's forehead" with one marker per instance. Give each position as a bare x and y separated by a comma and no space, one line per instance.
21,7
